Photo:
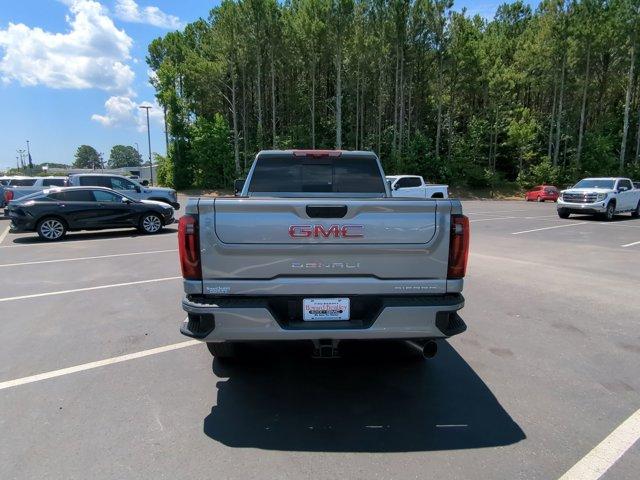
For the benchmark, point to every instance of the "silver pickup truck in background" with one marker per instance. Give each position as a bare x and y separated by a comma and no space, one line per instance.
19,187
315,248
126,186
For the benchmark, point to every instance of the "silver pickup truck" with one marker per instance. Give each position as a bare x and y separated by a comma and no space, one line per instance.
314,248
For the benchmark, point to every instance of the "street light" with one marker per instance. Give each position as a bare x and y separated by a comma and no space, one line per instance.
21,153
29,158
147,107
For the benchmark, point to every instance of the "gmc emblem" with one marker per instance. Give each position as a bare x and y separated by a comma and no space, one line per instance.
319,231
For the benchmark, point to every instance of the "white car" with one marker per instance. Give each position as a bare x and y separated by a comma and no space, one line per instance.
415,186
603,196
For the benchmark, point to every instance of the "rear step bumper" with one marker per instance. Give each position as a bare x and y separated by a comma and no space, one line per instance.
245,319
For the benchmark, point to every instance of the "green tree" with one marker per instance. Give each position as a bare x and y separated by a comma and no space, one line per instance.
124,156
212,153
87,157
430,88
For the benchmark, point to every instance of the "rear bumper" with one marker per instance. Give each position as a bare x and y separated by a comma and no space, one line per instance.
21,223
244,319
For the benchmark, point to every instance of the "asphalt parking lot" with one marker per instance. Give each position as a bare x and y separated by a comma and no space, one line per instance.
549,367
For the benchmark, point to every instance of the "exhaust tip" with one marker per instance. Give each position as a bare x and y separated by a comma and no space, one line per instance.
430,349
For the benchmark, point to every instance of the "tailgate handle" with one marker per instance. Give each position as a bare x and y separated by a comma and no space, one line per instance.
326,211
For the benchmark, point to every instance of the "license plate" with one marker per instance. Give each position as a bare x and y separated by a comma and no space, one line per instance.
320,309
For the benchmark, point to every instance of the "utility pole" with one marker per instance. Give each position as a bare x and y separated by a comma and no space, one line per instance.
29,158
21,153
147,107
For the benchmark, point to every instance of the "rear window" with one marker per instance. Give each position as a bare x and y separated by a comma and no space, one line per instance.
317,175
54,182
23,182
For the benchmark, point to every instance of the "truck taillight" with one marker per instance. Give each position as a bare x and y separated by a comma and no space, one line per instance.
8,196
458,246
189,248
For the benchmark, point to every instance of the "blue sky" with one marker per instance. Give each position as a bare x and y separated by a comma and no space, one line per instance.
73,72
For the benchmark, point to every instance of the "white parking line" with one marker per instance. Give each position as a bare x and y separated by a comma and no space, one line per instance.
595,463
4,234
549,228
630,244
474,220
85,258
87,289
91,365
490,219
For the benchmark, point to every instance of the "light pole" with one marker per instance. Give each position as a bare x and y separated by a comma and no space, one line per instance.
29,158
21,153
147,107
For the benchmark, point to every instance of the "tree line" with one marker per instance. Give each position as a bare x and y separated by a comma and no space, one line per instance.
549,94
120,156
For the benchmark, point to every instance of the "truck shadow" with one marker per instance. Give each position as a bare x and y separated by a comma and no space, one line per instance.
373,399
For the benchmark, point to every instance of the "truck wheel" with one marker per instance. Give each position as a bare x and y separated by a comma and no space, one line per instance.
562,213
51,229
610,212
150,223
222,349
636,212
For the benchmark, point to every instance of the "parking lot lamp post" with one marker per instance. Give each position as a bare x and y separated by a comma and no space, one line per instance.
147,107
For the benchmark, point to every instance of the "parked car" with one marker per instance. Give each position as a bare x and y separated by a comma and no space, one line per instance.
602,196
314,249
415,186
542,193
20,188
126,186
52,213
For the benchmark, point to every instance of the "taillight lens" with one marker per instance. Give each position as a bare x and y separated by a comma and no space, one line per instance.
458,246
8,196
189,248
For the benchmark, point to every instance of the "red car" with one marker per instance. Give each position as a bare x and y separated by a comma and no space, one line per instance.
542,193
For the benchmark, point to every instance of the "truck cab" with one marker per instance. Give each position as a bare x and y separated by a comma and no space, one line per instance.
415,186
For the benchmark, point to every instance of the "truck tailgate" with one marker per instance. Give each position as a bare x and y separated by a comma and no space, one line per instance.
274,245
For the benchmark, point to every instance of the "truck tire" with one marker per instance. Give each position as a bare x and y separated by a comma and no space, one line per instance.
636,212
610,213
51,229
562,213
222,349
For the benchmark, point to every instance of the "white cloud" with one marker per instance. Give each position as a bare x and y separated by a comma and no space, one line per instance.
130,11
121,111
92,54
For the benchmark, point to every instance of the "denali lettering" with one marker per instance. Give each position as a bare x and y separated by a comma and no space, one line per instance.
317,231
322,265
